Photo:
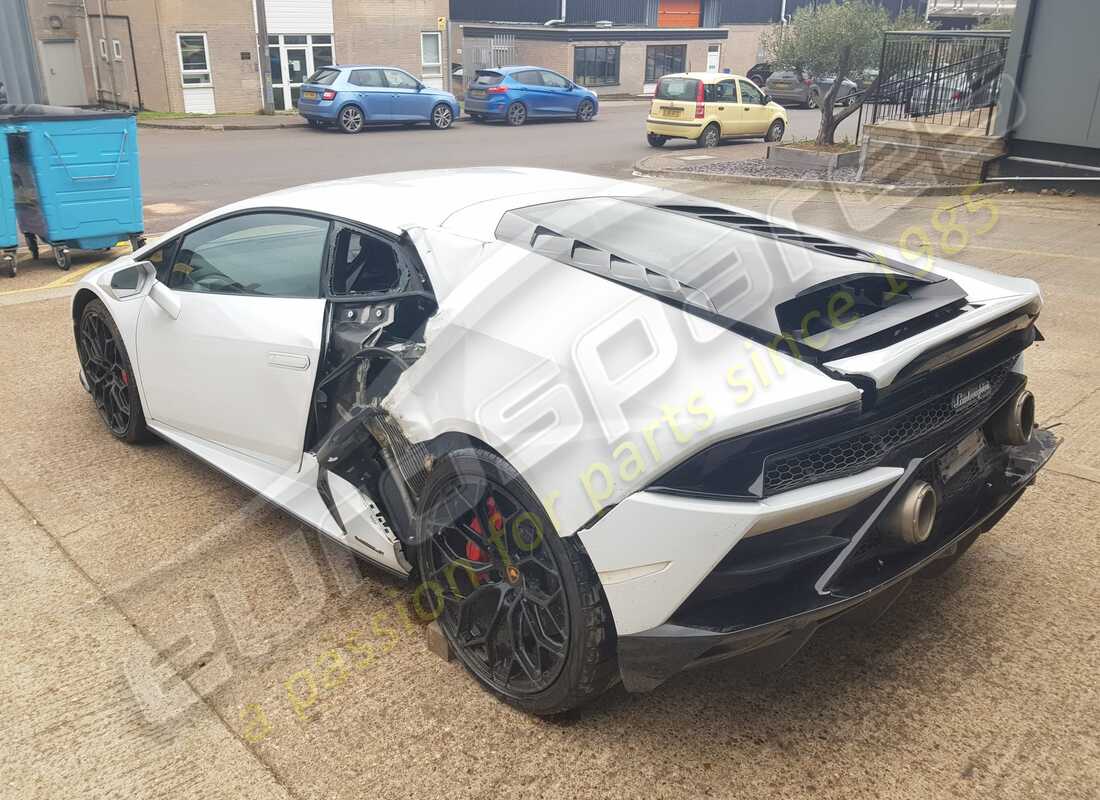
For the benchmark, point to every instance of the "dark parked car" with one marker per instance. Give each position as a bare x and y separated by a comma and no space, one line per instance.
797,87
758,73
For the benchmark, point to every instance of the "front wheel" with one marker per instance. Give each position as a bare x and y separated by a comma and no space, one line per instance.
110,379
351,119
517,114
656,140
710,137
812,100
586,111
775,131
521,607
442,117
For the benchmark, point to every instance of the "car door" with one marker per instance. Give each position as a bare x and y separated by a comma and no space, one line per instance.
228,352
409,102
561,95
372,94
724,106
534,94
755,115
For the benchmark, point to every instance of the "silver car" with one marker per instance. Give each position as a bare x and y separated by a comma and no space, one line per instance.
796,87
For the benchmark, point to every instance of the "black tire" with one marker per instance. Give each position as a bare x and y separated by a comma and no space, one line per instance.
106,366
812,100
517,114
351,119
522,570
442,117
10,266
586,111
656,140
775,131
32,244
710,137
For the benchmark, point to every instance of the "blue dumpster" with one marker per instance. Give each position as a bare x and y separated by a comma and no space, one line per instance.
76,178
9,231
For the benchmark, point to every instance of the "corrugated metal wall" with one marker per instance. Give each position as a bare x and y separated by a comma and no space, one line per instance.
505,10
18,62
621,12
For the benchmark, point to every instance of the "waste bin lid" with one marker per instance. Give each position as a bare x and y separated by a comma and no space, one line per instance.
38,112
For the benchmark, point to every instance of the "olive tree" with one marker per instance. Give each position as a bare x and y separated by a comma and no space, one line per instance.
838,39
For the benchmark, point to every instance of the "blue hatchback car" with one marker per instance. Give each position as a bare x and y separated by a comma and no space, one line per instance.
516,94
352,97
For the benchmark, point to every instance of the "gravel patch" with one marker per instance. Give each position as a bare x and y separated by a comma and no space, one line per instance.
761,168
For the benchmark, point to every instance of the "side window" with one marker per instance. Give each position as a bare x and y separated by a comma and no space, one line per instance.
750,94
263,254
400,80
161,258
727,91
366,77
365,264
553,80
528,77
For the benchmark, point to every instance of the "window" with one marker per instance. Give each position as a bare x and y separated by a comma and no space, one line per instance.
194,64
400,80
664,59
596,66
721,91
529,77
487,78
116,49
268,254
750,94
678,89
324,77
161,260
431,60
553,80
364,264
367,77
103,49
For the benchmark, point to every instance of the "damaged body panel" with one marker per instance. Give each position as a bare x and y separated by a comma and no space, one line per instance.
613,430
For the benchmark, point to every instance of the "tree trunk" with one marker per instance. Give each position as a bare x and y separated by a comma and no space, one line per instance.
829,121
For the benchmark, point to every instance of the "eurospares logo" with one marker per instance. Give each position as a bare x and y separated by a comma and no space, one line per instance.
971,394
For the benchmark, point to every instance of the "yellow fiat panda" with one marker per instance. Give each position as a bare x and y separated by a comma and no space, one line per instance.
710,106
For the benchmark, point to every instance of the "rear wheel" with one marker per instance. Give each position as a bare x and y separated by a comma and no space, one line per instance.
710,137
522,608
517,114
656,140
442,117
586,111
106,366
775,131
351,119
812,100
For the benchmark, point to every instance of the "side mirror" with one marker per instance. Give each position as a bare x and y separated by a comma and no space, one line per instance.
130,282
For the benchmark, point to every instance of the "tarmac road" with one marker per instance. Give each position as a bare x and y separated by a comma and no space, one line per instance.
167,636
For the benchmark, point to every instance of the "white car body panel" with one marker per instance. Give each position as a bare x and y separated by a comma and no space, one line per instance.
681,539
502,361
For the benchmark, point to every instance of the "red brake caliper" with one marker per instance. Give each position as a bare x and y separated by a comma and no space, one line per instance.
496,520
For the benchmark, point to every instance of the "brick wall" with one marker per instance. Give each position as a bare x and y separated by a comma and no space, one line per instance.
386,32
912,152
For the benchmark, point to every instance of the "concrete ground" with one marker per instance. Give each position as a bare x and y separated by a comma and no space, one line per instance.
166,635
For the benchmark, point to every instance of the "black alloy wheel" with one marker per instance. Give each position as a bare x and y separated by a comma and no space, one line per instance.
521,607
110,379
586,111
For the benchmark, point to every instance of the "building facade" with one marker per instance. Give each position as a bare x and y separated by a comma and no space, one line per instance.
204,56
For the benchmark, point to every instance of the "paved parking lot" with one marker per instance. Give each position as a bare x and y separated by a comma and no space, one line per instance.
166,635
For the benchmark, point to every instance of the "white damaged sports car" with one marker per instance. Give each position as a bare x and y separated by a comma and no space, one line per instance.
611,432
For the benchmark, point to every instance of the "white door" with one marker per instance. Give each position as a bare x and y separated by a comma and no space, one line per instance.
236,364
431,59
64,73
714,57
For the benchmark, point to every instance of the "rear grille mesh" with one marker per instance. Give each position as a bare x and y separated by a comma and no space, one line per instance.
868,447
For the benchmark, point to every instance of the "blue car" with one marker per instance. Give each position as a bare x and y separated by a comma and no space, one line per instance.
516,94
352,97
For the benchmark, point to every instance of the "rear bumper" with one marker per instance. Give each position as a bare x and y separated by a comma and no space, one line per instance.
325,111
675,129
492,106
765,626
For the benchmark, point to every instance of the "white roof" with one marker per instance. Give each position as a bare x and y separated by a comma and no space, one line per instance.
398,201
